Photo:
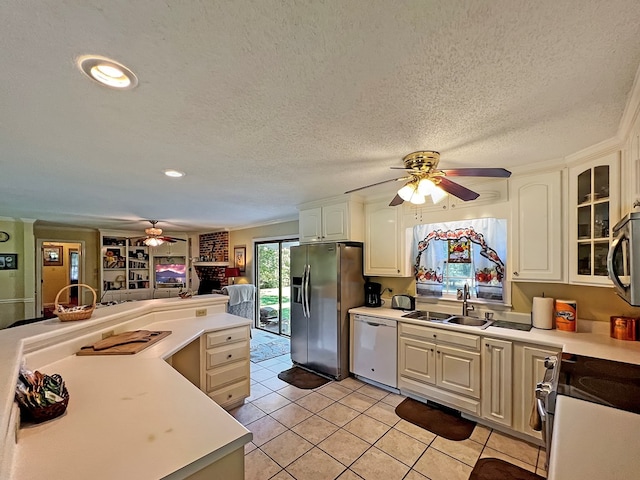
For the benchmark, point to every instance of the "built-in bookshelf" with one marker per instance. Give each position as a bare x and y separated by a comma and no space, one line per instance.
130,270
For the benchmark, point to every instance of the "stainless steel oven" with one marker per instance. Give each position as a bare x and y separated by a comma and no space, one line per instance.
605,382
546,392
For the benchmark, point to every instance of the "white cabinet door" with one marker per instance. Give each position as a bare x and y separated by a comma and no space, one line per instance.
168,249
528,371
335,222
458,371
310,225
537,228
385,241
417,360
497,378
594,208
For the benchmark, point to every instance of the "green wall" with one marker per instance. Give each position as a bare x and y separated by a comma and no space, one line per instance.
17,295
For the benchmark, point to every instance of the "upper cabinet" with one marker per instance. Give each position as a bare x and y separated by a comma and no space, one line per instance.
594,208
537,233
331,222
385,251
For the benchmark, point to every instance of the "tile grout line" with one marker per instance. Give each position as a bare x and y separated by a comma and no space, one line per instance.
377,401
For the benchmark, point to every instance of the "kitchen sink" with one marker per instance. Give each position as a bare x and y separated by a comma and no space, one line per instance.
428,316
468,321
448,318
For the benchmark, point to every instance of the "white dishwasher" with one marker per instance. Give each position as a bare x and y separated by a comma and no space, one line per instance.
375,349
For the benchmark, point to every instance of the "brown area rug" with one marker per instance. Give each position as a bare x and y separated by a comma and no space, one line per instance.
494,469
439,420
299,377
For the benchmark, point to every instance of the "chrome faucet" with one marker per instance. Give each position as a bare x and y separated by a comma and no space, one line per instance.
466,308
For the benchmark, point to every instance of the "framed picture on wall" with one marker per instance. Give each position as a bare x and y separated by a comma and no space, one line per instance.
8,261
239,257
52,256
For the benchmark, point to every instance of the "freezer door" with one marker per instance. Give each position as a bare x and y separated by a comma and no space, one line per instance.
299,321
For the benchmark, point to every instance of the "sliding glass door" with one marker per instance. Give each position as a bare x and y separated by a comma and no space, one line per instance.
272,278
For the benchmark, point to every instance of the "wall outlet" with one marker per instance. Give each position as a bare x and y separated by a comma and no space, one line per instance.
201,312
108,334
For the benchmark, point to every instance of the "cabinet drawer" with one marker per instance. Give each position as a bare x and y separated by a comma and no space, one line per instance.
227,336
226,354
429,392
440,335
228,374
231,394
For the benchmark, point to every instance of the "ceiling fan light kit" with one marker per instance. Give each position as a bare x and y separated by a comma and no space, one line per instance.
154,236
426,180
153,242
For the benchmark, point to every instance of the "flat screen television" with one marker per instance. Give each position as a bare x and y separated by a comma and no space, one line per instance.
171,275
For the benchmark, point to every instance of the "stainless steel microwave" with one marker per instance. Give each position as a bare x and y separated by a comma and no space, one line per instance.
623,261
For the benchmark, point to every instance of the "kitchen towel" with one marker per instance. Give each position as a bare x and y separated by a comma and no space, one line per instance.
542,313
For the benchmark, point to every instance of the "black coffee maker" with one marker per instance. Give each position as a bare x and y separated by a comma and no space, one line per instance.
372,294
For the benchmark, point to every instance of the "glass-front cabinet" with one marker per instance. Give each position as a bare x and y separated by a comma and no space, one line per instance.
594,199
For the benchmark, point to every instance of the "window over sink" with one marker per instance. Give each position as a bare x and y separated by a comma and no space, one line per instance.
449,254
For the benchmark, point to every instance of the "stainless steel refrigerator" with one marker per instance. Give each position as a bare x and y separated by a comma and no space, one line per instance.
326,281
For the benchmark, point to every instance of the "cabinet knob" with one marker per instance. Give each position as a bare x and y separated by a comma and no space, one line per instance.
487,345
230,396
229,356
438,352
435,336
516,274
398,270
444,207
228,338
431,349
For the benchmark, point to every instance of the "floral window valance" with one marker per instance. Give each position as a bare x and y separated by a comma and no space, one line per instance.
450,254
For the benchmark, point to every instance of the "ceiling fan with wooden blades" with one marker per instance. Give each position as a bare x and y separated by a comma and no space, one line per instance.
423,179
154,237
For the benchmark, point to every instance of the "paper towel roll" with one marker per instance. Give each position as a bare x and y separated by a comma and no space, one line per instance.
542,313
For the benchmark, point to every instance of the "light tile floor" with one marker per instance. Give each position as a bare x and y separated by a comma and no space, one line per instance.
348,430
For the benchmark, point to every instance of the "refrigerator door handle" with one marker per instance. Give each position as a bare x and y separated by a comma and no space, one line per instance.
306,290
303,292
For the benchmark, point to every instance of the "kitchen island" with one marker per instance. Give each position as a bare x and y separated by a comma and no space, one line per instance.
131,416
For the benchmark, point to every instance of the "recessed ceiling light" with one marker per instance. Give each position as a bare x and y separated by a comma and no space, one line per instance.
173,173
107,72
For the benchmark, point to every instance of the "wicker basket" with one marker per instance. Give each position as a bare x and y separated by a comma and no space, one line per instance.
39,415
84,314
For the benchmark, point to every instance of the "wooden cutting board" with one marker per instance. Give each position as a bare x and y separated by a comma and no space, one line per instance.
126,343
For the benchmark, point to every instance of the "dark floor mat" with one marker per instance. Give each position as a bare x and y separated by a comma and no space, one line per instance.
494,469
299,377
439,420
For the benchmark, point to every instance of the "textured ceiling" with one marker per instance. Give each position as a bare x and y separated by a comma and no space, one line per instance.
268,104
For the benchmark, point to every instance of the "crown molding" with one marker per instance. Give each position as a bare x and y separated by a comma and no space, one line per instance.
631,109
602,148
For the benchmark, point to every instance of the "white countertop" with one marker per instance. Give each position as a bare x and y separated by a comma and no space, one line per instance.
584,446
592,340
129,416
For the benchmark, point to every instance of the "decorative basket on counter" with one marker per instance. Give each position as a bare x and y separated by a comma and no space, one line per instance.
42,414
70,314
41,397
